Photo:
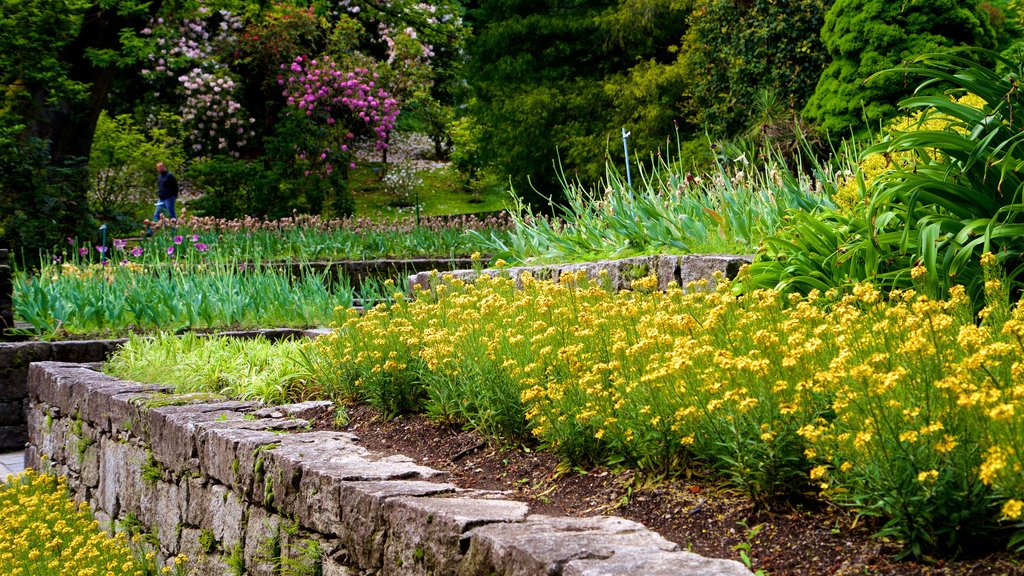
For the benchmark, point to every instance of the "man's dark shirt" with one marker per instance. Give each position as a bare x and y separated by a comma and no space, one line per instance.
166,185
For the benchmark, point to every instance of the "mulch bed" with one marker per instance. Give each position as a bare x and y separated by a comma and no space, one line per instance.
694,512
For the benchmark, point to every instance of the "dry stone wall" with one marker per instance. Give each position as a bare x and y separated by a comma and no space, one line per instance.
243,488
616,274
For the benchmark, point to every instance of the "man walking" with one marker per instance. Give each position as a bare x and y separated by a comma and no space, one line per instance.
167,192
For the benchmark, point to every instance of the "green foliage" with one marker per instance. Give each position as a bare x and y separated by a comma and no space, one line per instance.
530,104
121,168
864,37
734,50
206,540
42,202
731,210
950,192
123,296
152,470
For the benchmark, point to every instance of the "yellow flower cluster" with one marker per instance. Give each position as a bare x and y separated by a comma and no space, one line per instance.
43,532
850,194
850,382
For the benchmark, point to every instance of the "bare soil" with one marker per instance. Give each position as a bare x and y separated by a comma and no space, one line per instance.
696,512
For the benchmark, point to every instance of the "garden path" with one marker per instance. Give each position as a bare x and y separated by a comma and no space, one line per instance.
11,463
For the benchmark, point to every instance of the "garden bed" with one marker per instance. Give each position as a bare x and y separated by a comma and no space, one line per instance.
694,511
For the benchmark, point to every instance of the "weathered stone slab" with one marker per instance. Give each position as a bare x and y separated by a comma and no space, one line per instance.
648,563
428,535
543,544
228,516
284,463
174,430
693,267
14,361
260,532
112,456
235,456
360,508
79,351
298,410
168,511
667,270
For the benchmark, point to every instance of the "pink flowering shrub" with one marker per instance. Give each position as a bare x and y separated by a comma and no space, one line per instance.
318,88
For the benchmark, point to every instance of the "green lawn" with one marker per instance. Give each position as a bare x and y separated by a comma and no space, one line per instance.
440,193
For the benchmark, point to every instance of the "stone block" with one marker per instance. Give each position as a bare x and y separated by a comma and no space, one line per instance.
188,542
168,513
332,567
208,565
360,508
133,492
235,457
667,269
173,430
542,543
654,563
14,362
428,535
90,463
113,456
697,267
283,464
300,410
228,516
79,351
261,531
633,269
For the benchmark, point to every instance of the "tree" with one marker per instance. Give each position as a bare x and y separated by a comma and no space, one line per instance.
739,53
864,37
555,79
58,63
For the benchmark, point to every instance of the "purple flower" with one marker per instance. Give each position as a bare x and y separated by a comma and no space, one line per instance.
170,250
201,247
123,262
71,241
195,237
101,249
178,240
56,258
83,251
137,251
119,244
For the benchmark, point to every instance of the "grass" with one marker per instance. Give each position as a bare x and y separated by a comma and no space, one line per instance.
441,192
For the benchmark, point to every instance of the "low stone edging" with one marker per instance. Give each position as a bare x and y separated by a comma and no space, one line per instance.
618,274
231,484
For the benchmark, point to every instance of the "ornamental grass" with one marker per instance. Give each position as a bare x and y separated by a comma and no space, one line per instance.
43,532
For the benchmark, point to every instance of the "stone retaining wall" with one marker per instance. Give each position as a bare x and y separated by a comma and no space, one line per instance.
237,486
617,274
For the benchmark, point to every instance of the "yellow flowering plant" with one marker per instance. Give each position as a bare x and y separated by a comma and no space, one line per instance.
43,532
887,402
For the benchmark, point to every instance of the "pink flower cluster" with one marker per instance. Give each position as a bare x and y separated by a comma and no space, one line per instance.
318,87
